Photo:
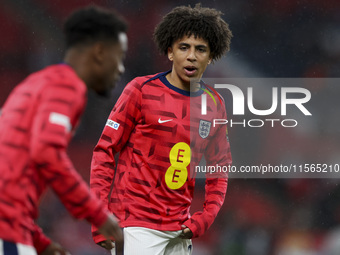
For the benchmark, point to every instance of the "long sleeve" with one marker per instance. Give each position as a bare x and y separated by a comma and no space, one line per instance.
121,122
59,111
217,153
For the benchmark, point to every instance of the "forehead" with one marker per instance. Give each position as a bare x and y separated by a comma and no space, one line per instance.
192,40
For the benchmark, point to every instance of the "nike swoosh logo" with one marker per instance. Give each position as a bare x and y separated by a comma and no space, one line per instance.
163,121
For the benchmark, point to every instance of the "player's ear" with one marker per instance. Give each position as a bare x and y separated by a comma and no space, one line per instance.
98,52
210,60
170,54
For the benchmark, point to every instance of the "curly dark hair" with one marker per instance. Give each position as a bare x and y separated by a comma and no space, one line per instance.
201,22
91,24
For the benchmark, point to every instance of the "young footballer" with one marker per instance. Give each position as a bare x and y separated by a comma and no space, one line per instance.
36,125
160,137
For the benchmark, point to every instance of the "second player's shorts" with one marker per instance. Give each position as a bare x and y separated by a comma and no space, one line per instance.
145,241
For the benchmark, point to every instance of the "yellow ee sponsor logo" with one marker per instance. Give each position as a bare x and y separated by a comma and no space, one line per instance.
177,173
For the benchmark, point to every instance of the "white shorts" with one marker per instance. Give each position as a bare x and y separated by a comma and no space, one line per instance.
145,241
9,248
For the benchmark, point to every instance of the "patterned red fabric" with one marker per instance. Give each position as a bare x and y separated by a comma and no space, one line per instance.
36,124
40,241
153,186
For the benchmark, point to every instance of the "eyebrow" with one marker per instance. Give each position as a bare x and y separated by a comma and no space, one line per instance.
196,46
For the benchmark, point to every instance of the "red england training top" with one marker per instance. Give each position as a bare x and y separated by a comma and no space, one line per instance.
161,136
36,124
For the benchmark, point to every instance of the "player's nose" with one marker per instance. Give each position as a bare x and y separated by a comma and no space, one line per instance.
191,55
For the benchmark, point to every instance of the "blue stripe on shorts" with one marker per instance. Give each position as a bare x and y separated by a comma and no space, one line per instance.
10,248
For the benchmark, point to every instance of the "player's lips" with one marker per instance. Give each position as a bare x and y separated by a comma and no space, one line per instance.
190,70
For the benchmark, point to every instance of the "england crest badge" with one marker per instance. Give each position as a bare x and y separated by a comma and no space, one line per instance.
204,128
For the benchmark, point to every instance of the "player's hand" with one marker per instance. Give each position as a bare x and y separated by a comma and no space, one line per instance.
186,233
111,230
107,244
55,249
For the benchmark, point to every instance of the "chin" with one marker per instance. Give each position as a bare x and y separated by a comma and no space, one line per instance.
104,93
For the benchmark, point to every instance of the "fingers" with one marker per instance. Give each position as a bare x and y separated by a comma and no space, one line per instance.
111,229
182,235
108,245
186,233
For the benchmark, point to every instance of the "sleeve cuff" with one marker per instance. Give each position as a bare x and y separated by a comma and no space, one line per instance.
40,241
97,237
193,227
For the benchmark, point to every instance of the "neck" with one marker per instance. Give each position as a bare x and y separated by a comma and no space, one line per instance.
77,60
176,81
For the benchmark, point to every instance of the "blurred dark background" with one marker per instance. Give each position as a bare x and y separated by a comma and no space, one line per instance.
278,39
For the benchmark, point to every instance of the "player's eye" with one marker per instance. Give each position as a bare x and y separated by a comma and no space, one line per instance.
202,50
